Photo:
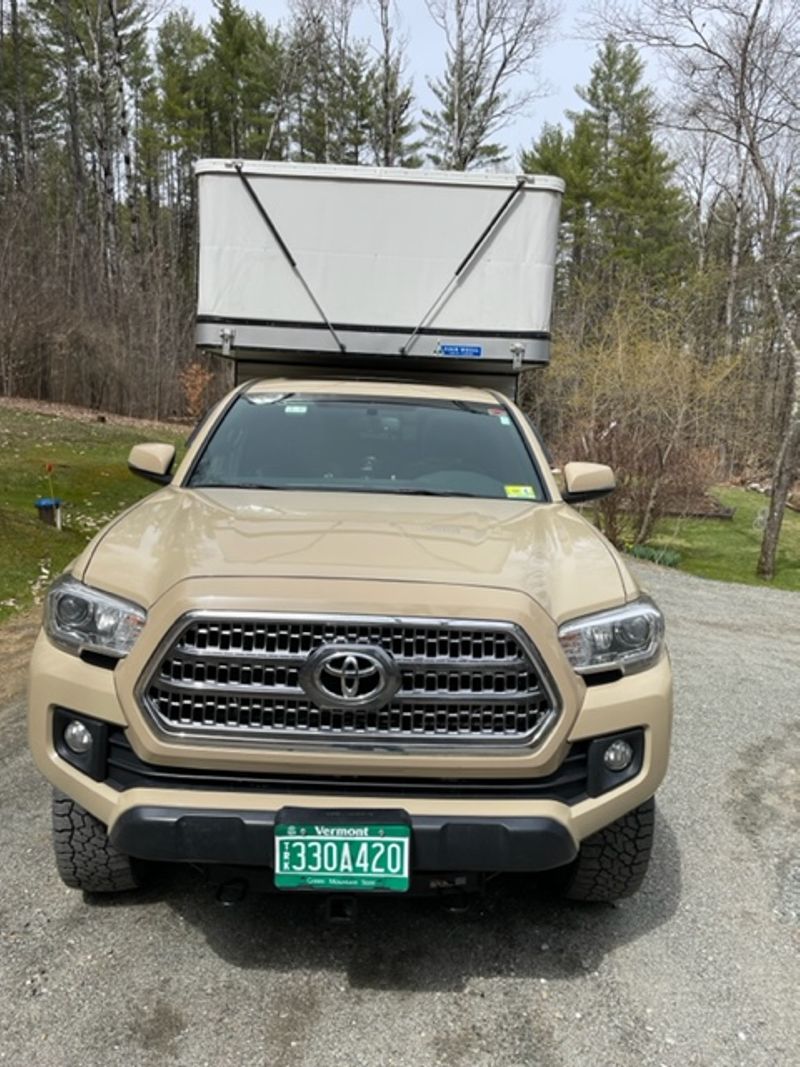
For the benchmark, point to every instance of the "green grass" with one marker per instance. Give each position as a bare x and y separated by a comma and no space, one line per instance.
728,551
90,475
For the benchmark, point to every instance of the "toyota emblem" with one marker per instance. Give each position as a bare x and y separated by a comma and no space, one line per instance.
350,676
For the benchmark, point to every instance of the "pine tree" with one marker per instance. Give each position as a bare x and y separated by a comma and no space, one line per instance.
310,103
333,89
459,128
180,52
172,129
223,83
28,95
623,214
391,123
488,45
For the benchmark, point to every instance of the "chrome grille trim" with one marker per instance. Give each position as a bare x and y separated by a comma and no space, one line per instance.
234,677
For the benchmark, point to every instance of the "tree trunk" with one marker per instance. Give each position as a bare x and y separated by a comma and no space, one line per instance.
73,123
785,470
786,463
646,524
736,251
457,150
123,123
20,125
387,148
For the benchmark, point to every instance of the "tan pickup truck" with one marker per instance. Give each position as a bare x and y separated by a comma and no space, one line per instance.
356,609
359,640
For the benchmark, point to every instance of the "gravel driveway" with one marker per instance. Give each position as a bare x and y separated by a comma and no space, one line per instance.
700,968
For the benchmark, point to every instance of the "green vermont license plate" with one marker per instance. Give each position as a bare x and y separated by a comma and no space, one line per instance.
341,857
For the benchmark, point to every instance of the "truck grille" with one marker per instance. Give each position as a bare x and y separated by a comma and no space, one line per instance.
239,678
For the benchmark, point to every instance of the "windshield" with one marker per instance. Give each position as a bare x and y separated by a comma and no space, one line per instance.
364,444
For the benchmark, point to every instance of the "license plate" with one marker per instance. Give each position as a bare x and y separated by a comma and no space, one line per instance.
342,858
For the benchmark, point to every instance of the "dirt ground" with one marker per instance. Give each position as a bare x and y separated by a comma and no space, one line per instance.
69,411
16,640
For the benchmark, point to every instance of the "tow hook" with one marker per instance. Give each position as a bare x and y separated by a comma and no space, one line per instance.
340,910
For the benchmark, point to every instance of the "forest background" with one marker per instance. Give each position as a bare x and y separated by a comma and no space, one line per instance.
678,307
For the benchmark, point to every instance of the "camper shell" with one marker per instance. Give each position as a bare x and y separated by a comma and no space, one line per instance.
409,274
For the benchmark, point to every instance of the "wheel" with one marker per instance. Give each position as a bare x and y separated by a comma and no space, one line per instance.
613,862
85,858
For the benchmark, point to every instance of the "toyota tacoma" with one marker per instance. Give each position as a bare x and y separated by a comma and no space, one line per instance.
360,639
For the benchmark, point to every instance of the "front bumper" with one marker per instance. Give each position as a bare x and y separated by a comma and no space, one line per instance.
439,843
502,804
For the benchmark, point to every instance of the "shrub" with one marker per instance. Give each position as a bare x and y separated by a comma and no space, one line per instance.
195,380
666,557
636,396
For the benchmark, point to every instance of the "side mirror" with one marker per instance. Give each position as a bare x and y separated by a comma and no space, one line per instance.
153,461
587,481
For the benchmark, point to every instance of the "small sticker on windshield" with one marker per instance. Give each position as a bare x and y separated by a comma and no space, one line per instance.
295,409
500,413
520,492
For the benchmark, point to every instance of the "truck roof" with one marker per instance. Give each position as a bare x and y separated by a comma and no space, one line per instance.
367,387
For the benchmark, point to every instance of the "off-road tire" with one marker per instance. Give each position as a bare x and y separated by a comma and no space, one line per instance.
85,858
613,862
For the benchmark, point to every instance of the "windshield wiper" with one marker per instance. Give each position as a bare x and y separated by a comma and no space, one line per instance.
407,491
401,491
238,485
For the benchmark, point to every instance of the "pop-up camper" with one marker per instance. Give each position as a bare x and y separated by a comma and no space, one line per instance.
360,270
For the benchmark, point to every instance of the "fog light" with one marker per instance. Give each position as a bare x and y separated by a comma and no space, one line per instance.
618,756
77,738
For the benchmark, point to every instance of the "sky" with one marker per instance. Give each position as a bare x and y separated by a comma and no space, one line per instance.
565,61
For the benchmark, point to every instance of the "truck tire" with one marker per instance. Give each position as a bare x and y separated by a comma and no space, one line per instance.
613,862
85,858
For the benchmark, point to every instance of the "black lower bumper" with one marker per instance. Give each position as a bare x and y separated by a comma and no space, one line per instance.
439,843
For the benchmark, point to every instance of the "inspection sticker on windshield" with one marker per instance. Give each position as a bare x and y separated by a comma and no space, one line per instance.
500,413
295,409
520,492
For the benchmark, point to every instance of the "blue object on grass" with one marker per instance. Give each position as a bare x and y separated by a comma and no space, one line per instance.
49,510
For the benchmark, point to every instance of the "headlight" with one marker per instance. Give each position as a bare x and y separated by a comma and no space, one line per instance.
77,617
627,639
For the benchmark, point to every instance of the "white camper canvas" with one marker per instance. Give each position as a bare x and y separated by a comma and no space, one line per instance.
375,253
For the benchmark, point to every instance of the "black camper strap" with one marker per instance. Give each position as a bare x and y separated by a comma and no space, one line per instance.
490,227
288,255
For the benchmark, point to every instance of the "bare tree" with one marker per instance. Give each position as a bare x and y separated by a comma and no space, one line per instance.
697,167
489,44
737,68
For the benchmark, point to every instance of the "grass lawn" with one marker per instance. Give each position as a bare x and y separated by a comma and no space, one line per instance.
714,548
91,476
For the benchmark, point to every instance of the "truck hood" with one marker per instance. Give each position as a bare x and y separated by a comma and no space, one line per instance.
545,550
